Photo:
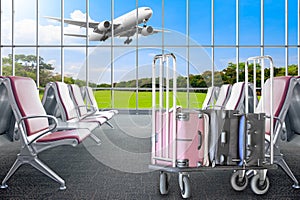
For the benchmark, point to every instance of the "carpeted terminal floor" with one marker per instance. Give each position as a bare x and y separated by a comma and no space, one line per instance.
118,169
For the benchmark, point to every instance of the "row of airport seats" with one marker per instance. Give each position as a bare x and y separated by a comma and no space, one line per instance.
286,107
37,128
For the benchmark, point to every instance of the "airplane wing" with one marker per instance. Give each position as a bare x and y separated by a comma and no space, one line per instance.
75,22
132,31
93,25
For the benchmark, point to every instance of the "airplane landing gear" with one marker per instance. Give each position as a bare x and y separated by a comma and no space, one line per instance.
128,41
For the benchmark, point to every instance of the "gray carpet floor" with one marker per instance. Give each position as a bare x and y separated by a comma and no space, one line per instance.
118,169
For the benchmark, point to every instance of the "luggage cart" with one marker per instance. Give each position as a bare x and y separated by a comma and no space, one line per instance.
165,156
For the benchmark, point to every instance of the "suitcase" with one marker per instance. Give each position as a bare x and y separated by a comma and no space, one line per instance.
227,146
252,139
191,142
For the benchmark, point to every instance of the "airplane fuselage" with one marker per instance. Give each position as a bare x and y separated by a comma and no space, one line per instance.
124,23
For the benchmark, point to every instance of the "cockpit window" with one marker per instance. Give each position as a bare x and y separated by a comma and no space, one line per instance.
147,9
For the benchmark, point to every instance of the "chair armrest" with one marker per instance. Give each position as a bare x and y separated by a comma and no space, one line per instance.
50,129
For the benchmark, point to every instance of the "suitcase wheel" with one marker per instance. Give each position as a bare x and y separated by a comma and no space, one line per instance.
163,183
185,185
259,187
239,181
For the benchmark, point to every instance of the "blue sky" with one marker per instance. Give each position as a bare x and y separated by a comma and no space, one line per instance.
174,20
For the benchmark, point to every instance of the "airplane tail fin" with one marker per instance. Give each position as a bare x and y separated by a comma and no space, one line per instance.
75,35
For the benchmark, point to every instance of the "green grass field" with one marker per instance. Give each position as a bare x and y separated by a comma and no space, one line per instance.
127,99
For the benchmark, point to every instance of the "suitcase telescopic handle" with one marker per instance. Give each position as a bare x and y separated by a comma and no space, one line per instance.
199,140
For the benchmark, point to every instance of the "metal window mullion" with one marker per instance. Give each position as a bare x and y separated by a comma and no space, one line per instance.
163,26
12,38
36,48
87,43
298,37
212,42
262,39
237,40
137,60
286,38
1,68
112,56
62,41
188,51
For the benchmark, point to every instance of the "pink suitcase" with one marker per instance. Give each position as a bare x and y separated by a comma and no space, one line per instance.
191,138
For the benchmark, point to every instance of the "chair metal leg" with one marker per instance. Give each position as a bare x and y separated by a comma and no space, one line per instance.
281,162
109,124
12,170
94,137
39,165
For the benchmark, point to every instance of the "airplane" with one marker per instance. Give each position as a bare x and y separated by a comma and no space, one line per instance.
123,26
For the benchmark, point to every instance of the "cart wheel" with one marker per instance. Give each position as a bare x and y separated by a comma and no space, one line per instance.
257,188
236,184
163,183
185,187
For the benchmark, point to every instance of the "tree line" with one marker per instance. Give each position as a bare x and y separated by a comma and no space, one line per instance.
25,65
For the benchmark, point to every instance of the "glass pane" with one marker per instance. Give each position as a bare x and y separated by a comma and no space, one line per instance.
249,22
99,11
274,23
124,67
6,61
200,21
224,22
155,21
74,10
103,98
293,22
99,60
278,55
74,65
293,61
6,22
177,22
49,30
25,26
224,57
124,99
51,59
25,62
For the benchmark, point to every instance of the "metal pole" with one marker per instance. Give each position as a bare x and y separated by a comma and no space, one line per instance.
137,60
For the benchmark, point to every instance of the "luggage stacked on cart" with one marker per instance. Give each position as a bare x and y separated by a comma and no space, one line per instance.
192,140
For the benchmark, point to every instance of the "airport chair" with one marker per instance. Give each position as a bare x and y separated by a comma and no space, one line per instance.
223,96
236,100
282,97
82,108
57,101
292,125
210,97
90,99
7,121
36,135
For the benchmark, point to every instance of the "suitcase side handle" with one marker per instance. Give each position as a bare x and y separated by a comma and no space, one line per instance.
199,140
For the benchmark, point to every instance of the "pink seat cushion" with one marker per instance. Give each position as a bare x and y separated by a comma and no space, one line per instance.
100,120
28,102
79,135
281,86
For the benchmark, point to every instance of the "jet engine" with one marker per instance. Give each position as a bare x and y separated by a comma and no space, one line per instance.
103,26
147,30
